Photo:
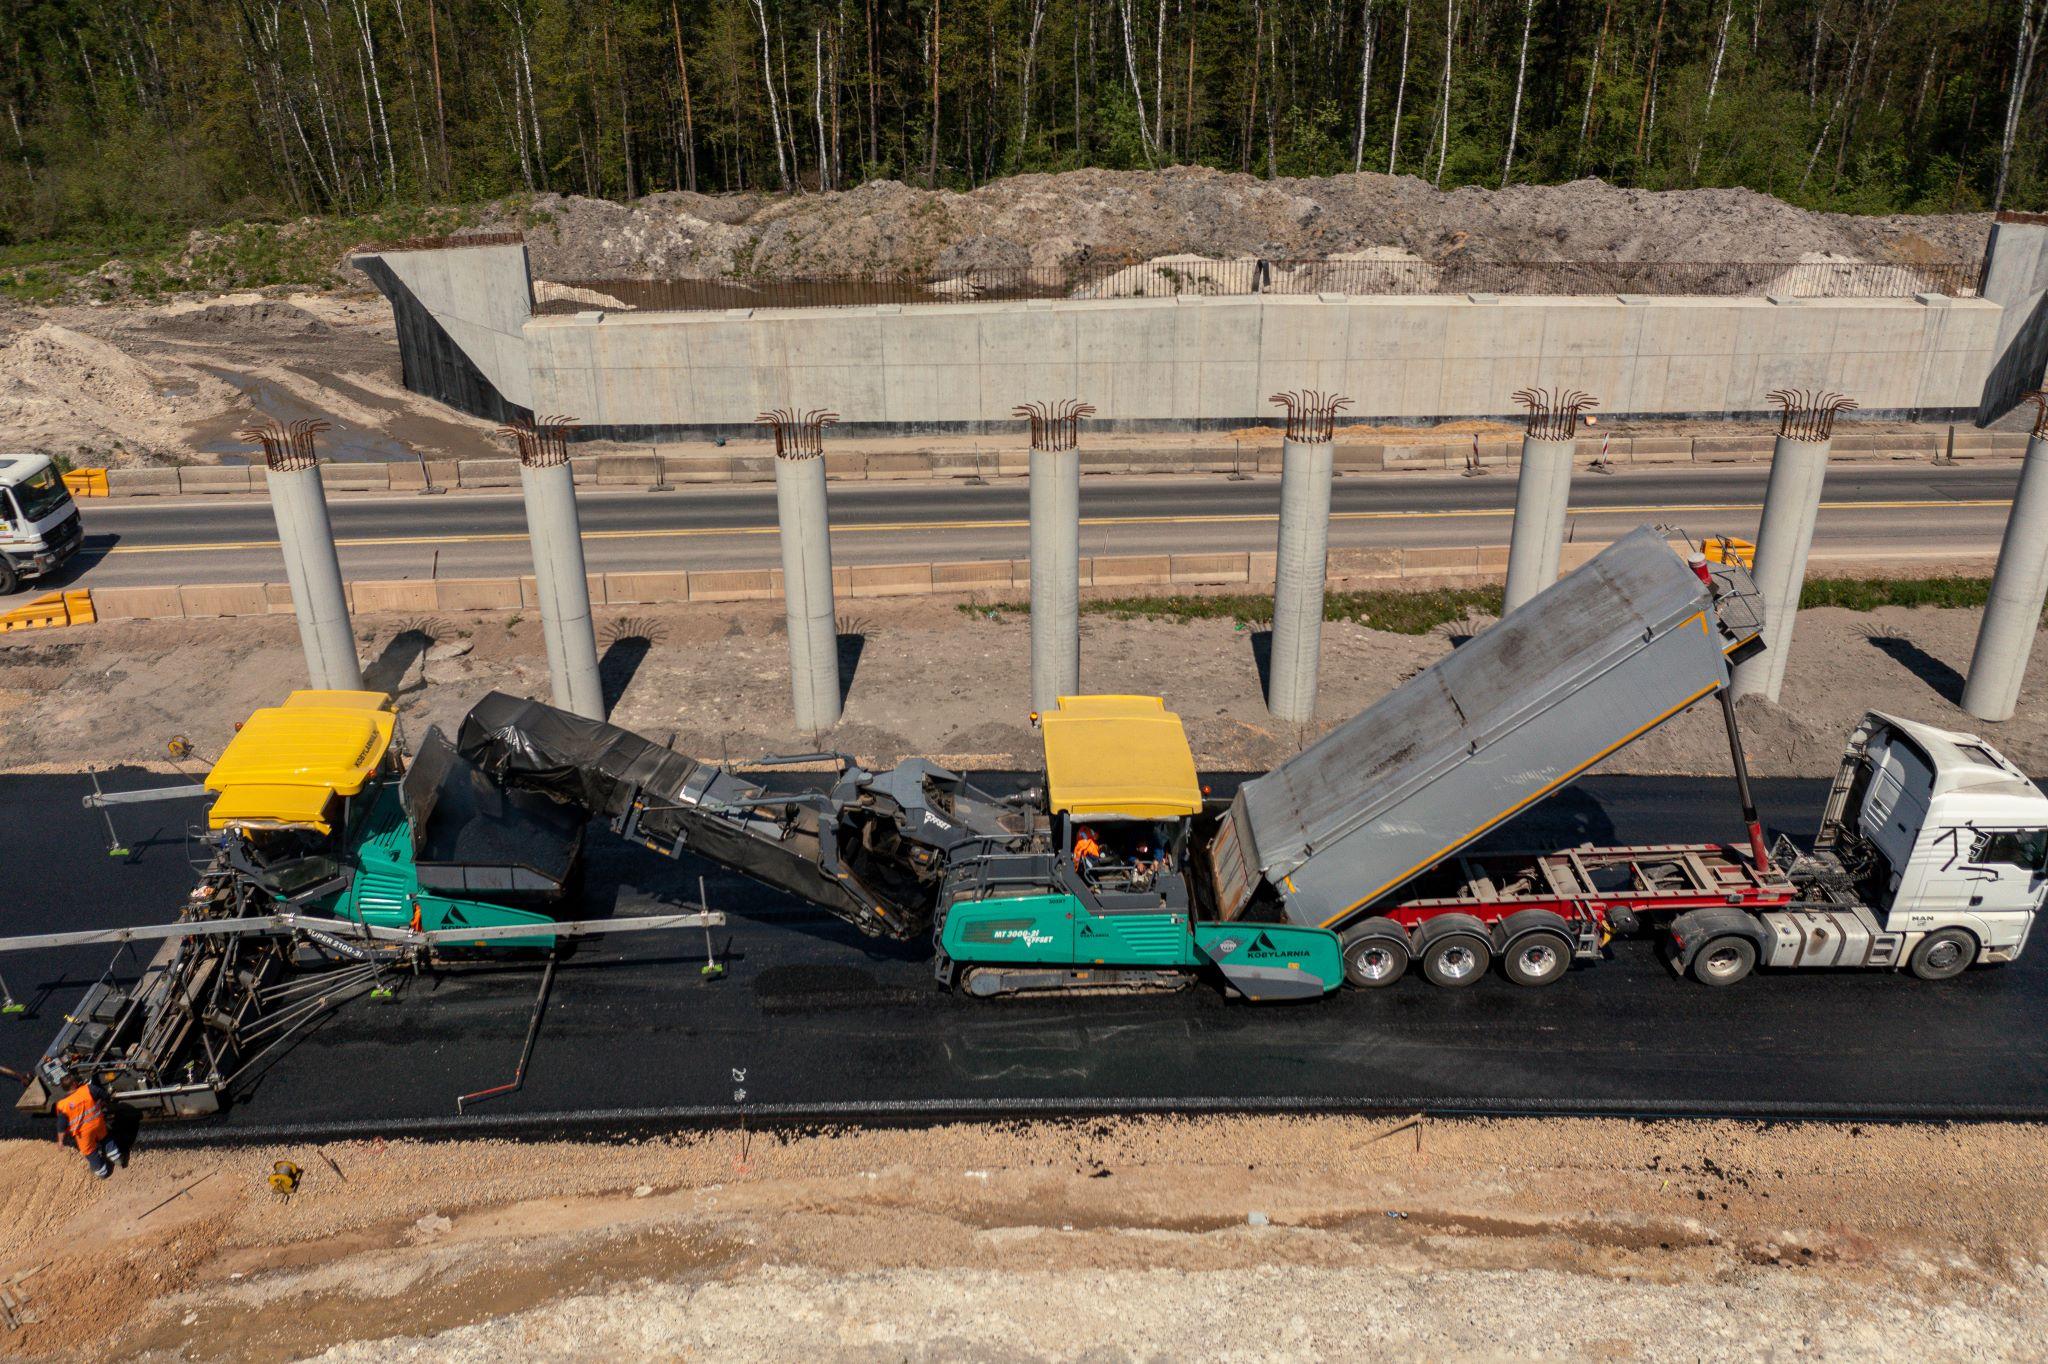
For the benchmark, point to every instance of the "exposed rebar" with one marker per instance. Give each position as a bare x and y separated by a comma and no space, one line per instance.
286,447
1808,413
798,435
2039,398
1054,425
1311,414
543,444
1553,414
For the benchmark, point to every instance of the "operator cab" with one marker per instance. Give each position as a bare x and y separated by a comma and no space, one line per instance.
1121,791
1939,825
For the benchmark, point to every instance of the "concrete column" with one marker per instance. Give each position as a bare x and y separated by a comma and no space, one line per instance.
1055,576
1300,571
298,502
313,569
1542,494
1791,504
2018,589
807,590
561,582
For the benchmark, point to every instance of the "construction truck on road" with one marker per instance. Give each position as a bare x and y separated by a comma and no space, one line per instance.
1348,863
40,528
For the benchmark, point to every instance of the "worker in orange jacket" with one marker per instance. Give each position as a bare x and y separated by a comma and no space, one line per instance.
1087,849
84,1111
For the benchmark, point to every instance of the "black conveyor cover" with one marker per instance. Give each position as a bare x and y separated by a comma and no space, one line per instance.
473,836
532,746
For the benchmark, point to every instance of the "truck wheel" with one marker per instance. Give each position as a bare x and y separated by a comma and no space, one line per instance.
1539,958
1456,959
1724,961
1375,954
1943,954
10,581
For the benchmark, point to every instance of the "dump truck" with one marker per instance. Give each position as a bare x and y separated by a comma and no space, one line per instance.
40,528
1349,862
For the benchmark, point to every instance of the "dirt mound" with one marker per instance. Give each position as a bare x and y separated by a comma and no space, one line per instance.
73,394
1058,221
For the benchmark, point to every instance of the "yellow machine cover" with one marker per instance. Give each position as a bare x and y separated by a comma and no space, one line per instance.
1119,757
288,763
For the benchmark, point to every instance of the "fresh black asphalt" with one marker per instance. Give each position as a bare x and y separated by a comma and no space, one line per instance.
814,1023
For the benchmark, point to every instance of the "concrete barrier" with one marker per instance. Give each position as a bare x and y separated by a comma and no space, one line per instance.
1358,457
1005,579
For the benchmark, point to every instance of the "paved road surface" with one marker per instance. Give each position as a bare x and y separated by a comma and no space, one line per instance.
1919,508
814,1023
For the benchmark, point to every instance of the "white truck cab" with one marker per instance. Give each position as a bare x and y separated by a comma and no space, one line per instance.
1961,833
1932,858
39,523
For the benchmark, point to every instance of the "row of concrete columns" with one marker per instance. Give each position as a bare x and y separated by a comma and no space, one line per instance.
1784,541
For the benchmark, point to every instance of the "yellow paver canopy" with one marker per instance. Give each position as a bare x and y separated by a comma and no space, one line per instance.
288,763
1119,757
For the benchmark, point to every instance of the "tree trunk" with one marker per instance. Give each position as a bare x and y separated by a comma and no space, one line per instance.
1401,86
440,108
675,20
1444,104
1030,61
1592,80
774,106
1649,84
932,166
1713,83
1364,90
1521,72
2026,45
1137,86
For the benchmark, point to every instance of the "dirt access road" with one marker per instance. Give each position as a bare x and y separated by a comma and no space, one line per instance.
1219,1238
932,676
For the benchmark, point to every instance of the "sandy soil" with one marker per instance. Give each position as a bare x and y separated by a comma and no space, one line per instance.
1055,221
1223,1238
930,679
173,383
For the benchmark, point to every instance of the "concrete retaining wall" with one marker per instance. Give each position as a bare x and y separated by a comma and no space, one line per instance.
1199,363
459,314
2016,277
680,464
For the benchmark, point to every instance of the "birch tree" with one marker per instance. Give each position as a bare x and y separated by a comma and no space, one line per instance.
1364,88
1507,165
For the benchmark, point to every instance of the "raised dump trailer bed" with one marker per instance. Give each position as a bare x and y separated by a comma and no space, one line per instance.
1600,658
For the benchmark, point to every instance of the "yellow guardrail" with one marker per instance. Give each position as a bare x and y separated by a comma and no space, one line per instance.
51,611
87,482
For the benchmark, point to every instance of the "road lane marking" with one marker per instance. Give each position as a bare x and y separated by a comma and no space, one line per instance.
898,527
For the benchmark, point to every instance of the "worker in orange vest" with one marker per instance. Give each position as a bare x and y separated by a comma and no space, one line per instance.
84,1111
1087,851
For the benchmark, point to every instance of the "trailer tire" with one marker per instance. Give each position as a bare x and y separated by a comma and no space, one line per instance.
1455,951
1539,948
1376,954
1943,954
1724,960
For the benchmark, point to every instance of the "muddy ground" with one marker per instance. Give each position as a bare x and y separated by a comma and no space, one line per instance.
937,676
1218,1238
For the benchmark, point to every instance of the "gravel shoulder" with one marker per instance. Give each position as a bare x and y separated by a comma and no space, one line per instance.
1215,1238
928,678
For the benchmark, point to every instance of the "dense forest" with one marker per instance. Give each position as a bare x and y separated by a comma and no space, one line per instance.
136,115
